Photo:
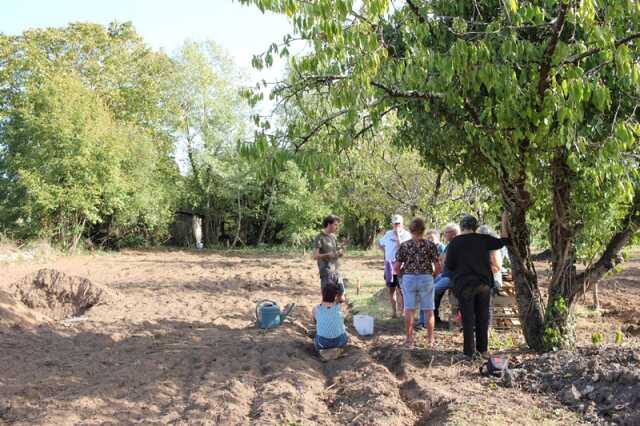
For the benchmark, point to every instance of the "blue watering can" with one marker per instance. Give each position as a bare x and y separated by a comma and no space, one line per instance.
268,314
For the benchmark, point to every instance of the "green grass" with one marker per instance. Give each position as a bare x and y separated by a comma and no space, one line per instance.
284,250
587,312
366,301
498,342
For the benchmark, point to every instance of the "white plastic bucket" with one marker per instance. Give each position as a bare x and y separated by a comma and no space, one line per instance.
363,324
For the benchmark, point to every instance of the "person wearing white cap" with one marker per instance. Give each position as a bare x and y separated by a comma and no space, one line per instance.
389,244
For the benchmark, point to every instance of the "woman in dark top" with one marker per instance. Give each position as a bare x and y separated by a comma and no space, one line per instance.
416,260
469,258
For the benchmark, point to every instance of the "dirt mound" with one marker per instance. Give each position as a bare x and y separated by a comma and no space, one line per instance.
601,383
59,296
14,313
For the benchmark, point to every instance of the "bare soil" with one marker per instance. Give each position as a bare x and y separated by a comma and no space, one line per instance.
179,345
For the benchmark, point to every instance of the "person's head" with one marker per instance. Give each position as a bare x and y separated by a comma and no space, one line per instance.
451,231
484,229
434,236
331,223
417,227
468,224
397,222
329,293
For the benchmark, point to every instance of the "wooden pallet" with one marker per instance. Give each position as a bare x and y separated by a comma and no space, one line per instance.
504,315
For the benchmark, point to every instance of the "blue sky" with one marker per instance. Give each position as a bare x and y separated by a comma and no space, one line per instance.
164,24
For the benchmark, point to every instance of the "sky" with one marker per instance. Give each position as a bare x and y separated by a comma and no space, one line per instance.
164,24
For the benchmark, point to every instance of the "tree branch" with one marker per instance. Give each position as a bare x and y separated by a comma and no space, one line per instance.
416,11
545,68
316,129
437,186
577,58
328,119
630,225
370,125
411,94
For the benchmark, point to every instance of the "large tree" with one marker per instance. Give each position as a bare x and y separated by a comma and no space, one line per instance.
535,99
209,119
85,149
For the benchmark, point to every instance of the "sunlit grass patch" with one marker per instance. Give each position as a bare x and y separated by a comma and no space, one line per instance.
368,300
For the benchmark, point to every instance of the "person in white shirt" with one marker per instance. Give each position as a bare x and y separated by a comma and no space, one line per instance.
389,244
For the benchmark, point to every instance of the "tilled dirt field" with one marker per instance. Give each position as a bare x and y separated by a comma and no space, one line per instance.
178,345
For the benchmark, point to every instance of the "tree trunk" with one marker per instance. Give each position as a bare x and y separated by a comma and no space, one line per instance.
367,234
560,321
525,279
267,214
237,238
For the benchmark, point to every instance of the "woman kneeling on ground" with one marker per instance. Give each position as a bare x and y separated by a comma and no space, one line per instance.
330,331
416,260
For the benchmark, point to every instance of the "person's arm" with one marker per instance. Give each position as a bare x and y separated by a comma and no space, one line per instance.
318,256
398,242
437,268
382,242
344,308
316,251
313,313
400,257
496,261
396,267
497,243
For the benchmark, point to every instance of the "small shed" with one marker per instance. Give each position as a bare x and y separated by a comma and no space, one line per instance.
186,230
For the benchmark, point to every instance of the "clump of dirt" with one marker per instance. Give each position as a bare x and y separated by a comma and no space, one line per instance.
601,383
59,296
15,314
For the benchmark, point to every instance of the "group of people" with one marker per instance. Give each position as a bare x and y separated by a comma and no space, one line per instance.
418,270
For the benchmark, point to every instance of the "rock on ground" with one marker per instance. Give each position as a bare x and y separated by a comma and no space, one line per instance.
601,383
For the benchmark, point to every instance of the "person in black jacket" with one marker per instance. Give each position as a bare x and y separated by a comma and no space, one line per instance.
468,257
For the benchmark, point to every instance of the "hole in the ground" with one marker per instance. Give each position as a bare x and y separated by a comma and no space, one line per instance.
429,408
392,357
59,296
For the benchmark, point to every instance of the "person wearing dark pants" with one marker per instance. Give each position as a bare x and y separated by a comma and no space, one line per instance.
474,305
469,259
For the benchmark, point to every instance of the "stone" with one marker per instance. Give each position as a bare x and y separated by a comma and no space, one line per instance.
571,395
